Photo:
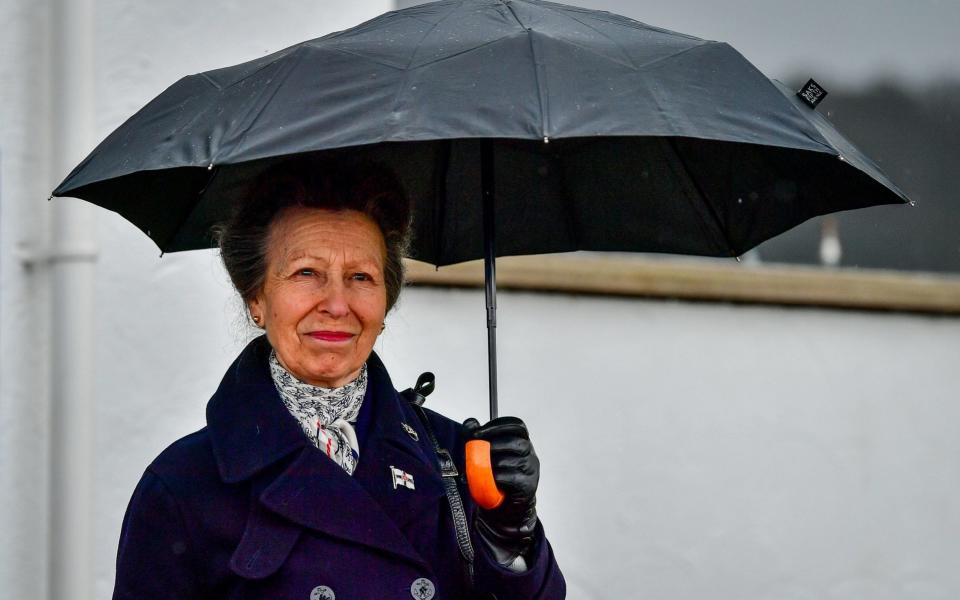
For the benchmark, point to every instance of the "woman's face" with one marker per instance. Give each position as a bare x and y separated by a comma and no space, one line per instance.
323,300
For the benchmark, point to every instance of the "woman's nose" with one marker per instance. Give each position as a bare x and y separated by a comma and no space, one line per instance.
334,300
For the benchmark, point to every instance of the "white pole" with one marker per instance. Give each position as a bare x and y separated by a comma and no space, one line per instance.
72,257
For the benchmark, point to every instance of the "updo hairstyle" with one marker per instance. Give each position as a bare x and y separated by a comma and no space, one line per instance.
328,184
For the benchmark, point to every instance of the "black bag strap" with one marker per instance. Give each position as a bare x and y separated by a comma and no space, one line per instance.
448,470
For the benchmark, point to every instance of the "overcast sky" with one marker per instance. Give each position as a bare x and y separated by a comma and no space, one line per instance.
838,42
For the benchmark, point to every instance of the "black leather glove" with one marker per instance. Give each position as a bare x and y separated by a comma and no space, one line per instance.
509,528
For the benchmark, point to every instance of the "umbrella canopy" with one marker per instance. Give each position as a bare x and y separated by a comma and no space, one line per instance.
558,128
605,134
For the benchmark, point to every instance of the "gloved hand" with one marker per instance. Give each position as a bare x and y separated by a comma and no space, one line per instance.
509,528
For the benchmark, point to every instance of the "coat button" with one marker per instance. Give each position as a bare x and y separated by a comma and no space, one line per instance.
422,589
322,592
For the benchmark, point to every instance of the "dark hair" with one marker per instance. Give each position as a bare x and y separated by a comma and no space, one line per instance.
329,184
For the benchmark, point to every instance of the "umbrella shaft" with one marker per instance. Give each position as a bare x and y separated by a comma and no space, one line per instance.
489,267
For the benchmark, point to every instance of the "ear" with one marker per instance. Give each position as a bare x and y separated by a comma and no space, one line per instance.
256,309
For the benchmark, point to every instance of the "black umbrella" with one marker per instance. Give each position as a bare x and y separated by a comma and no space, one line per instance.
560,128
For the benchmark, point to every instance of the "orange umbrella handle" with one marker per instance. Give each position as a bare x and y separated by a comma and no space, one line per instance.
480,475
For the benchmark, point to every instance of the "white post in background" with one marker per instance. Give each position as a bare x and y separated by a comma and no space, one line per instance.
72,257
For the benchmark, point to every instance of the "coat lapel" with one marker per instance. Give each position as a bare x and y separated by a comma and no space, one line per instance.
267,539
389,444
249,426
315,492
250,430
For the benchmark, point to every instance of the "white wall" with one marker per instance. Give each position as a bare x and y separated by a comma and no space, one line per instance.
24,176
140,48
690,450
714,451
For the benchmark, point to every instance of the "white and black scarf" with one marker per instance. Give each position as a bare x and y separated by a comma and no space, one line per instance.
325,414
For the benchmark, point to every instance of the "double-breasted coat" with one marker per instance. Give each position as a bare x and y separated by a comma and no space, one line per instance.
247,507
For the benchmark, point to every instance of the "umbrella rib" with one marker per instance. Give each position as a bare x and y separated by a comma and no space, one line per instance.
363,27
429,31
263,106
408,70
629,60
186,217
630,65
329,44
210,80
276,56
382,63
542,92
541,83
657,61
419,20
513,13
711,209
465,51
607,37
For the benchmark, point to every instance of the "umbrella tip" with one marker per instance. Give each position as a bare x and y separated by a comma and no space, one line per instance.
546,139
50,197
210,167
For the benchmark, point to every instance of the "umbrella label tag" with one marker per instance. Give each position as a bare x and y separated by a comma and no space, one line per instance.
812,93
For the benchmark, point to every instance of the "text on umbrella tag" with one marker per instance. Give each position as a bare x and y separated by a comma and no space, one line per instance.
812,93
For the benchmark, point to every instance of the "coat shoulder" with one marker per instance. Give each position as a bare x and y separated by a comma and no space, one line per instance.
192,447
186,462
181,525
214,512
449,433
442,423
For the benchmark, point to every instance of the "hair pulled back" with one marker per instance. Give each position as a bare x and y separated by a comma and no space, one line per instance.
329,184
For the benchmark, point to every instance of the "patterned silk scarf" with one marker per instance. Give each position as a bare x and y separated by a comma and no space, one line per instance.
325,414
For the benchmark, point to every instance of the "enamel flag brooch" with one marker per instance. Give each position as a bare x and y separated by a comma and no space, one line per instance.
401,478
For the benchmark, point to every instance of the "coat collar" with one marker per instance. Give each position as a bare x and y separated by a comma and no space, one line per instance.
251,429
249,426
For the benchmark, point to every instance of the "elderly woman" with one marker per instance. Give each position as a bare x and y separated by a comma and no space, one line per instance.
314,478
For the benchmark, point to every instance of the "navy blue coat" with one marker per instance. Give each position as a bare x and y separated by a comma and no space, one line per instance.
247,507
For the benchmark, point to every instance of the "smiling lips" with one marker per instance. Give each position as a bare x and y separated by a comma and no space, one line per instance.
331,336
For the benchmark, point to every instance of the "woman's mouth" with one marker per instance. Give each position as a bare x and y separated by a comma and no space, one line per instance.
331,336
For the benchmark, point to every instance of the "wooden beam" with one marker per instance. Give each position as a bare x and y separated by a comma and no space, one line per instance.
708,280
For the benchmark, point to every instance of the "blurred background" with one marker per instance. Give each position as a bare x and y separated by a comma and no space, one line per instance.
738,447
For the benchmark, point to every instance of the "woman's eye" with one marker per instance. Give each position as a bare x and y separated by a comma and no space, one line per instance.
305,272
361,277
